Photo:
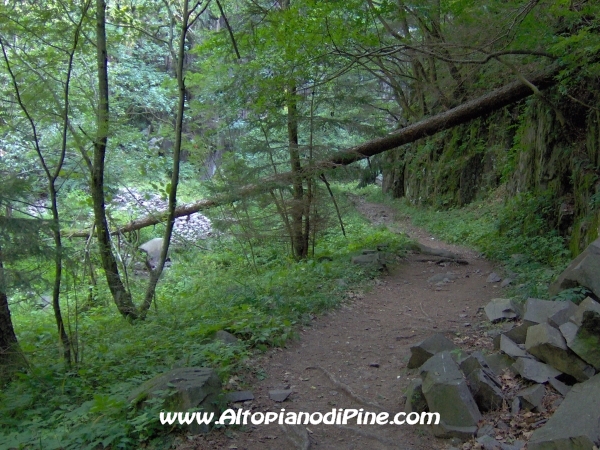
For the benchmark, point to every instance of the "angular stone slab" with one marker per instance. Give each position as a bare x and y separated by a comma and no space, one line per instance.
185,388
547,344
588,304
559,386
563,315
535,370
501,309
493,278
415,400
445,277
447,393
586,343
486,391
372,259
239,396
531,397
575,425
511,349
424,350
279,395
583,271
539,311
499,362
516,334
473,362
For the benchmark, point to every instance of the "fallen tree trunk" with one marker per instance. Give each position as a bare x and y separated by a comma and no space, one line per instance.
465,112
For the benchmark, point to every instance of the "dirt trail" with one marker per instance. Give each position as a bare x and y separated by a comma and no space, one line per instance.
364,346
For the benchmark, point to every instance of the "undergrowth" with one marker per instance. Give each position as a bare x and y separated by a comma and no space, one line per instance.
87,407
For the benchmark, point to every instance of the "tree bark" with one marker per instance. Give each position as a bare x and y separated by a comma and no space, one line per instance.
486,104
121,295
11,358
155,274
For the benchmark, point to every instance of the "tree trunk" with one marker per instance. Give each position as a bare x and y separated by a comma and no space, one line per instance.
463,113
121,295
11,358
155,274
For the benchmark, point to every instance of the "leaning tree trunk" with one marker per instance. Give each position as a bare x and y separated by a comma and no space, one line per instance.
121,295
463,113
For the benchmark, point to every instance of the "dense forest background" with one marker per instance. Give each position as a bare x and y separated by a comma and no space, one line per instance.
233,131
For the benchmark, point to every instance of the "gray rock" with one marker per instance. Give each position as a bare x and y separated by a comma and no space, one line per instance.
489,443
473,362
415,400
501,309
516,334
493,278
375,260
442,277
535,370
515,406
499,362
424,350
239,396
583,271
297,435
563,315
436,252
486,390
586,341
152,248
447,393
279,395
485,430
559,386
183,389
225,337
568,331
506,282
511,349
575,425
588,304
547,344
531,397
539,311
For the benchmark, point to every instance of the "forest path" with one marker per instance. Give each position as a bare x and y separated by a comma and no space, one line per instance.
364,346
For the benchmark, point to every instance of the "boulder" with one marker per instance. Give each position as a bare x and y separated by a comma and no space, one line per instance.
239,396
486,390
499,362
547,344
511,349
563,315
533,370
539,311
415,400
501,309
588,304
183,389
435,251
583,271
531,397
517,334
585,342
421,352
575,425
559,386
152,248
447,393
472,362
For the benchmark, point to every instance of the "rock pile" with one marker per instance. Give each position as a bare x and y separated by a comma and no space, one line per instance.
187,229
556,346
